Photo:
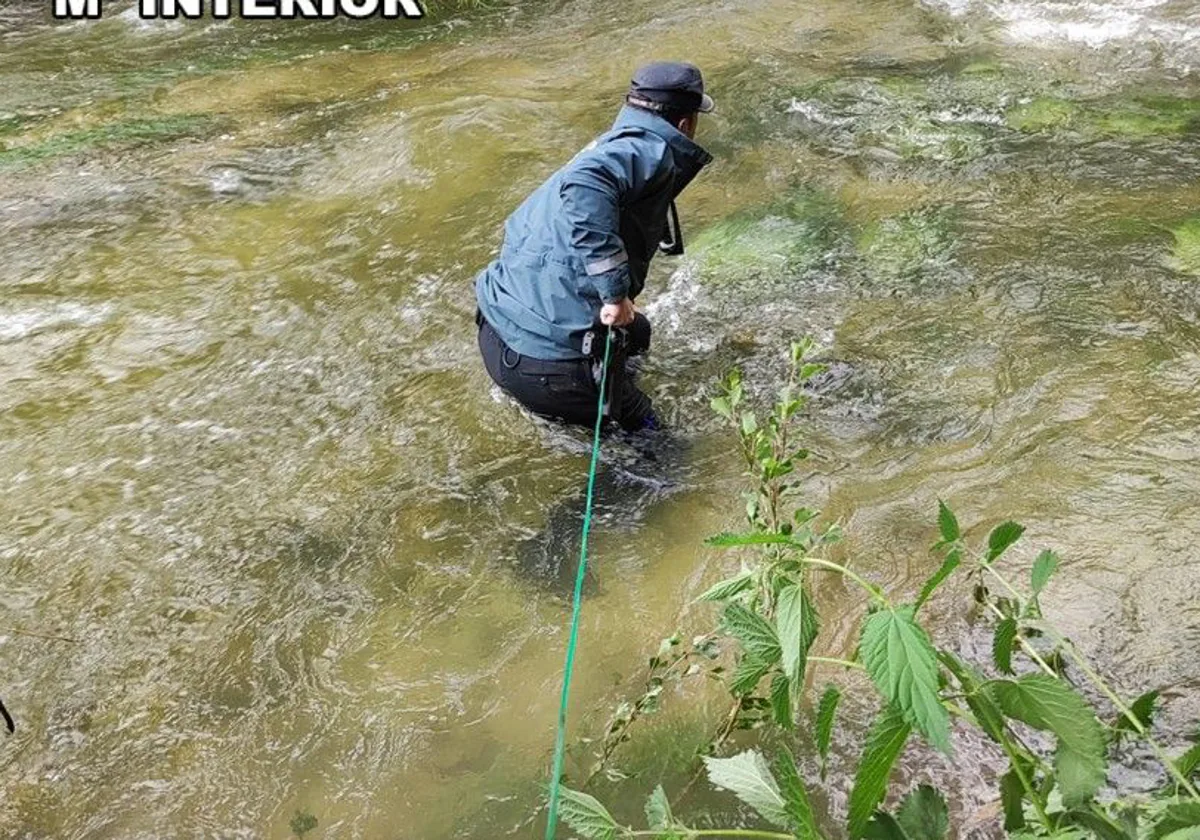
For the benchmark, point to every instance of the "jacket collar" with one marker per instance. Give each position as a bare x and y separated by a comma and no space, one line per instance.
684,148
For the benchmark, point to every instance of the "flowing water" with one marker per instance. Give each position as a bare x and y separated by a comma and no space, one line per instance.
252,468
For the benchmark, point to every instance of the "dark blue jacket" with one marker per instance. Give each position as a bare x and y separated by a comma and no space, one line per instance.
586,236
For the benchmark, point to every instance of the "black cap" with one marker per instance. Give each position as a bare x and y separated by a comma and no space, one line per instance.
674,85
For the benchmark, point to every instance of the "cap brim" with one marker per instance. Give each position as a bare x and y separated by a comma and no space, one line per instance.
707,105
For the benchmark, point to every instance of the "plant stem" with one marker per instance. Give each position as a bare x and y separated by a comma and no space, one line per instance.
842,570
1095,679
1028,648
845,663
1026,783
1099,683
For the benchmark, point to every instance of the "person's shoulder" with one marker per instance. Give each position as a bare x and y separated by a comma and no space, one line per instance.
632,142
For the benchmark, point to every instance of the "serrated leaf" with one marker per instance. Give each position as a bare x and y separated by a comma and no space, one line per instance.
1002,644
800,814
746,676
752,630
883,826
747,776
1177,818
903,665
1043,568
1100,826
826,711
923,814
1002,536
586,816
951,562
1143,710
1012,792
658,810
797,625
1189,833
1049,704
1189,761
728,539
729,587
781,701
947,523
884,744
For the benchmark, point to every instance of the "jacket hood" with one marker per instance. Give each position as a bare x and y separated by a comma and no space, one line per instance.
689,154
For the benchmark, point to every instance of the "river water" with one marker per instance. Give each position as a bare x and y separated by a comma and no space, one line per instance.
253,470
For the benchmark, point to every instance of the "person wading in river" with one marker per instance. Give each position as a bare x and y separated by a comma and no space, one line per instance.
576,252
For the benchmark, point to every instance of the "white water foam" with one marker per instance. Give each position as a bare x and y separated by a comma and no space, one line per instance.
1088,23
18,324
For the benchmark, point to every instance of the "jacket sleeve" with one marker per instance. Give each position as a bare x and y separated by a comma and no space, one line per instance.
591,197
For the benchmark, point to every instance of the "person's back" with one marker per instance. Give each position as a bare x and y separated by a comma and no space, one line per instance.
578,248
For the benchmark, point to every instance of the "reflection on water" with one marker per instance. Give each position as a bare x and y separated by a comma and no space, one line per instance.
251,464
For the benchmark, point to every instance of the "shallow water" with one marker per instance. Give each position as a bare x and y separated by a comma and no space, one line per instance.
252,466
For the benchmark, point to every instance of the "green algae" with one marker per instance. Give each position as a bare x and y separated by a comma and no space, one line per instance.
1043,113
1137,118
1185,253
129,132
782,239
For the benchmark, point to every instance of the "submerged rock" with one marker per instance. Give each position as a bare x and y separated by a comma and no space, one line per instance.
1185,254
790,237
1136,118
911,247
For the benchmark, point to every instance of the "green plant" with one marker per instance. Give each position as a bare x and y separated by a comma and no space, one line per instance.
302,822
769,625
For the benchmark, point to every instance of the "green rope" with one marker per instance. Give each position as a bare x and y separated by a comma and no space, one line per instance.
573,638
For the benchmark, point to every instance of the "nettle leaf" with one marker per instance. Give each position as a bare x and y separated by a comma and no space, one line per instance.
947,523
795,797
884,744
1143,710
923,814
903,666
1002,536
586,815
747,776
752,630
1012,792
1049,704
797,624
1177,822
781,701
951,562
1043,568
826,710
1100,826
883,826
746,676
1002,644
1189,761
658,810
729,587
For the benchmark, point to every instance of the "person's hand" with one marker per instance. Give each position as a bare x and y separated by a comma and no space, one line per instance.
619,314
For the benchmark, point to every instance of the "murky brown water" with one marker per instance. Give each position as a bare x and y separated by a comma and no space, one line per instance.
251,464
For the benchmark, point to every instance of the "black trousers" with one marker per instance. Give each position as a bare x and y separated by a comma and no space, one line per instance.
565,389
